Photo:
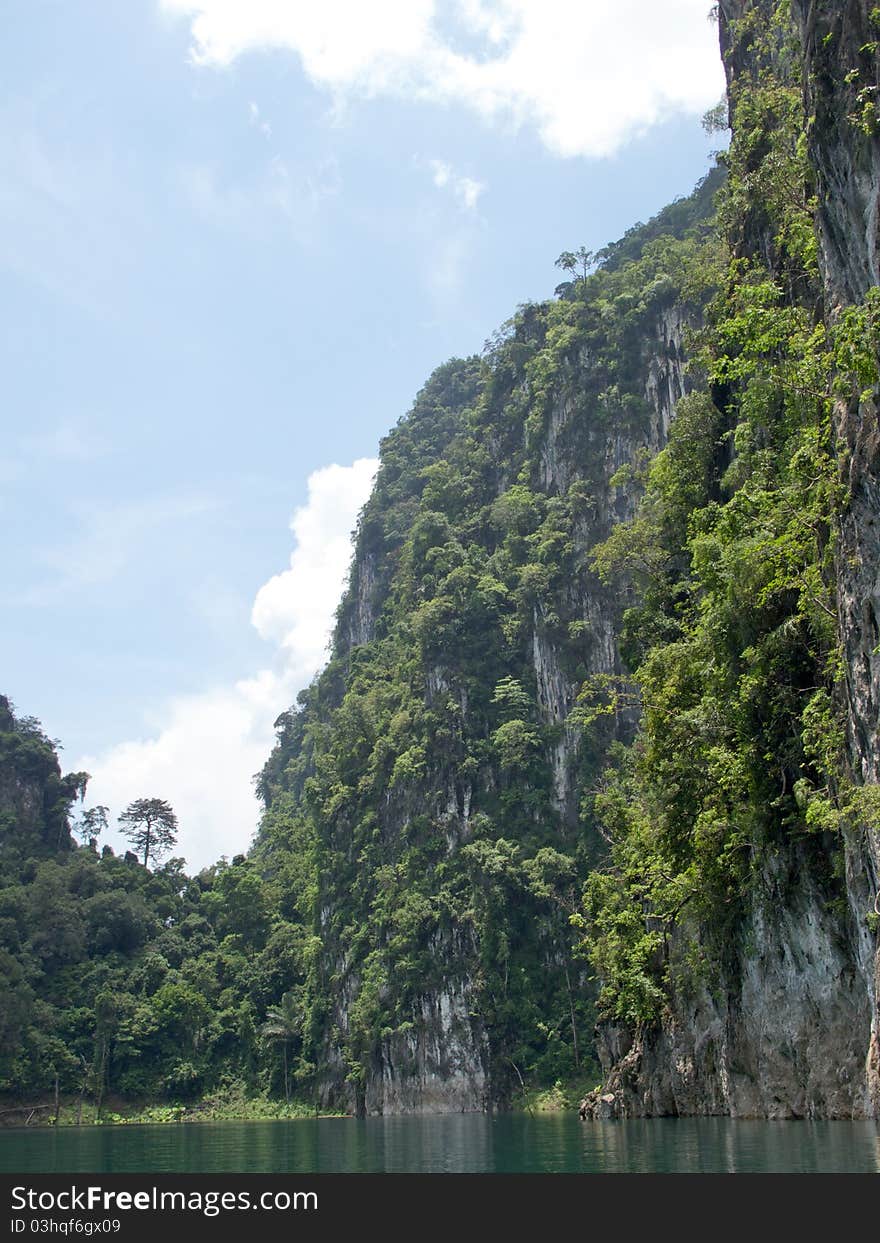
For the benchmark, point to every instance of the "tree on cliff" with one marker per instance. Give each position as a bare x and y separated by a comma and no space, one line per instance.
151,827
92,823
578,264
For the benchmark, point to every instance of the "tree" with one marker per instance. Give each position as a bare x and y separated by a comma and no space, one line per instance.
283,1024
578,263
106,1021
716,120
151,827
92,823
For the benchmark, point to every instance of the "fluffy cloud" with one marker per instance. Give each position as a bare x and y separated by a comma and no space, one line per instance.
294,608
207,747
588,74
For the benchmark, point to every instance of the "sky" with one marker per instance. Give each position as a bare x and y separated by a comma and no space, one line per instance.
236,237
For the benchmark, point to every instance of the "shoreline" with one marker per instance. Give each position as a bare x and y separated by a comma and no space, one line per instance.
15,1117
116,1112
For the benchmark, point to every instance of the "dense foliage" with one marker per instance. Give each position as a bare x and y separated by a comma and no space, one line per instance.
120,980
424,835
422,803
733,641
584,690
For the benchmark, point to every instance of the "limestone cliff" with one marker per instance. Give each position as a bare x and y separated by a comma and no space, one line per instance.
34,797
787,1025
440,763
612,626
841,80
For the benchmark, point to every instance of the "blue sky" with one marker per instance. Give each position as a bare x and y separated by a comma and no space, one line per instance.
236,237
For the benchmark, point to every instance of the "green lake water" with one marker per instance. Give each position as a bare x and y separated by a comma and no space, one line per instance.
513,1143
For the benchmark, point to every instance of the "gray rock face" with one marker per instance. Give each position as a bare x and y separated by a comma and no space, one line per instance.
31,790
790,1028
842,70
443,1063
787,1023
438,1067
362,622
838,44
783,1036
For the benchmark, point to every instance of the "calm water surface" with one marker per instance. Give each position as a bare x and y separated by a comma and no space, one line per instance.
557,1143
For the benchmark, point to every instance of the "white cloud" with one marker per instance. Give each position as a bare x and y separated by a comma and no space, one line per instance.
587,74
206,748
293,608
449,244
465,190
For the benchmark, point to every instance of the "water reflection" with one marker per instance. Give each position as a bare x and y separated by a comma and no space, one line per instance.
554,1143
723,1145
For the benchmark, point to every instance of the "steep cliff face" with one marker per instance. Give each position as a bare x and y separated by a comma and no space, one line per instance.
34,798
612,625
841,77
782,1033
438,768
781,1017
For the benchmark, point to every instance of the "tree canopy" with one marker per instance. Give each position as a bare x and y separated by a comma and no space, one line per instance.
151,826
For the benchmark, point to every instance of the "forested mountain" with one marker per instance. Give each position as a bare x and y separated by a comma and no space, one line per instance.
610,627
591,771
436,782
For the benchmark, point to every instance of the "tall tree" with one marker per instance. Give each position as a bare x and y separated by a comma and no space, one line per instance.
283,1024
578,263
106,1019
151,827
92,823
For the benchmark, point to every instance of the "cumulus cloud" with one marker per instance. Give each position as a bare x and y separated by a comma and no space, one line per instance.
293,609
587,74
205,749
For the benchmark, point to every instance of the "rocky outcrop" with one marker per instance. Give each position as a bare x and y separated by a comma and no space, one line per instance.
788,1026
416,783
841,83
563,460
439,1066
34,797
783,1033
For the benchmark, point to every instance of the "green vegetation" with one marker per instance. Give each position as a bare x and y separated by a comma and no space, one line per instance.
585,688
417,821
127,984
150,825
733,640
419,841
